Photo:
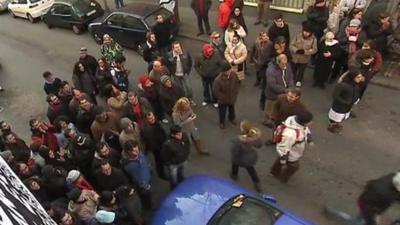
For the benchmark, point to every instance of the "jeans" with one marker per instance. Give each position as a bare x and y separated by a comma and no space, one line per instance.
176,174
184,83
208,94
250,169
262,6
300,69
222,112
119,3
200,20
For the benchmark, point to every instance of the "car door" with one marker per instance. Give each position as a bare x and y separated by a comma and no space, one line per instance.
113,27
20,7
135,31
62,14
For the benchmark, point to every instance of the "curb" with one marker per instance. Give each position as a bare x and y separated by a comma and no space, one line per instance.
389,85
192,37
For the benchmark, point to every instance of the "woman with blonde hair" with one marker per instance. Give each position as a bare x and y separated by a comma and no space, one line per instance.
243,153
183,116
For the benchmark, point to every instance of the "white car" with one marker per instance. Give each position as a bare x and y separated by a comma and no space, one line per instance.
4,5
30,9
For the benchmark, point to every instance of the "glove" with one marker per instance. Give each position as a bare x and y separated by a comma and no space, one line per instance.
300,51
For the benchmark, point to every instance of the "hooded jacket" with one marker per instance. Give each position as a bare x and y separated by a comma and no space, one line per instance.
243,151
293,142
224,13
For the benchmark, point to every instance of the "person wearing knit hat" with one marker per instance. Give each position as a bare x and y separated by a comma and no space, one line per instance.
74,194
355,23
149,90
130,131
303,46
75,179
73,175
165,78
208,66
169,93
144,81
105,217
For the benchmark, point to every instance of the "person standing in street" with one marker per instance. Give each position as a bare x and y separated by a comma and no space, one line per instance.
169,93
279,28
180,66
317,17
208,66
84,79
262,8
110,49
261,54
238,16
345,95
175,153
119,3
89,61
184,117
51,84
163,32
303,47
279,77
224,12
226,89
217,43
201,8
236,55
243,153
291,138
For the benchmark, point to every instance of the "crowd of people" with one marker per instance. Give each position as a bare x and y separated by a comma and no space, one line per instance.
88,163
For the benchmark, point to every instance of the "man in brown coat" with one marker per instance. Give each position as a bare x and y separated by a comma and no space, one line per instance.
226,89
288,104
104,123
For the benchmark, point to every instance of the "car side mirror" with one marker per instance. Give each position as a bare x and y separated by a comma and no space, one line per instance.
269,198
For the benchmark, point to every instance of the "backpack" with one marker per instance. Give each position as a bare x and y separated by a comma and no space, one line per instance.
278,133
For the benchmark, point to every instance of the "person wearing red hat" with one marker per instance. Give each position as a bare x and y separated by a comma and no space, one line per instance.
208,66
148,90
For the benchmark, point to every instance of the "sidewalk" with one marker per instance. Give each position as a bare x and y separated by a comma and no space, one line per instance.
188,29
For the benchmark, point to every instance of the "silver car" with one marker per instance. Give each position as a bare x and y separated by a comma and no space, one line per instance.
4,5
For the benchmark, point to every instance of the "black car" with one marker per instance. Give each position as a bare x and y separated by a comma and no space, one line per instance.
128,25
75,14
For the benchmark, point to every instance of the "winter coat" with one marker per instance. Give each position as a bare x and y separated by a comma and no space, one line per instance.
82,148
110,182
169,96
226,87
224,12
89,62
376,32
175,151
182,120
20,151
323,65
309,45
350,46
274,32
156,75
186,61
111,51
194,4
240,20
150,52
53,181
368,71
131,136
293,142
283,108
139,170
243,151
347,5
110,125
116,104
53,87
145,107
277,83
317,18
208,67
60,109
84,120
345,94
87,209
84,81
153,136
103,77
237,55
229,33
379,194
46,138
163,33
261,53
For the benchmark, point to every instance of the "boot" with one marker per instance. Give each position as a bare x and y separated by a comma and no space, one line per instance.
335,127
199,147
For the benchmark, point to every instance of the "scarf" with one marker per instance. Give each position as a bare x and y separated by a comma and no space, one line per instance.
352,32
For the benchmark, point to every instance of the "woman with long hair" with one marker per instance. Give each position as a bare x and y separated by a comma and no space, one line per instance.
238,15
243,153
234,28
103,75
84,80
345,95
183,116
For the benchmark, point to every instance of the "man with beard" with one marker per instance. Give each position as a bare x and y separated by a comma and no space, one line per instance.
136,108
149,91
105,152
56,108
150,49
162,29
18,148
159,70
109,178
85,115
65,93
105,123
87,60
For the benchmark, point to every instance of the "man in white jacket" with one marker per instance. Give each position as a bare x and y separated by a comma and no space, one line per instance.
293,138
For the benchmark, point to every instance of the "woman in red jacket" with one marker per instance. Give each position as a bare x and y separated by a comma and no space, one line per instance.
224,13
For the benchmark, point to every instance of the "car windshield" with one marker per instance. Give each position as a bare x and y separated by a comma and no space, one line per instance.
243,210
34,1
83,6
151,19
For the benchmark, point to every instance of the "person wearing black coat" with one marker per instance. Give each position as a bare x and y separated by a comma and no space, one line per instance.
238,15
129,202
317,17
345,95
105,152
169,93
201,8
53,181
103,76
163,32
51,83
153,137
151,50
85,116
378,196
379,30
87,60
34,186
175,153
109,178
279,28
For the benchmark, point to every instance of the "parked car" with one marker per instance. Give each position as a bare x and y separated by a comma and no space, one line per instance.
73,14
129,25
29,9
4,5
206,200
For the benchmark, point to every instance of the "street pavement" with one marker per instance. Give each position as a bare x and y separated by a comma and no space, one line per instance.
332,173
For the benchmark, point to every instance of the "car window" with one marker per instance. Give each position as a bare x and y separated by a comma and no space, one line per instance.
134,23
84,6
61,10
151,19
34,1
246,211
22,1
116,20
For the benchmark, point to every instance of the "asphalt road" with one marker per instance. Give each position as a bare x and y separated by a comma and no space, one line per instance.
332,173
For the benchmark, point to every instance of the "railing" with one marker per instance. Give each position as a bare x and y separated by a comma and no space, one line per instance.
295,6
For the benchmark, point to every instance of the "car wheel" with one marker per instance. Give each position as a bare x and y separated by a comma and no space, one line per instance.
47,23
139,49
12,14
76,29
30,18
